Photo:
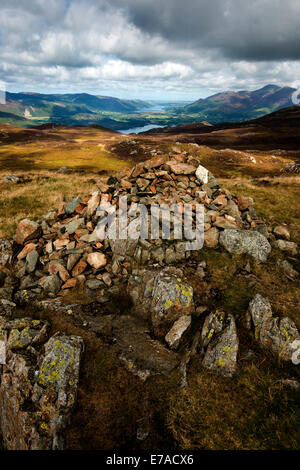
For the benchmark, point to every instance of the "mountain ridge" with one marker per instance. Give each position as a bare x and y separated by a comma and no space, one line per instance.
242,104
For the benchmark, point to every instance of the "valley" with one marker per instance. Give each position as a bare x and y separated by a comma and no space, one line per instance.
32,109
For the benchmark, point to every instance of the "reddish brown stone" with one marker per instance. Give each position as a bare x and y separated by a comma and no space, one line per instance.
244,202
27,249
126,184
27,230
220,200
155,162
71,283
57,268
79,268
211,238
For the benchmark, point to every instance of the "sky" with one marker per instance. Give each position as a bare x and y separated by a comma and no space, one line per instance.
149,49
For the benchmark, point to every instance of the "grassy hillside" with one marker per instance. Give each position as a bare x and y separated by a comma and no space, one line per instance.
241,105
51,148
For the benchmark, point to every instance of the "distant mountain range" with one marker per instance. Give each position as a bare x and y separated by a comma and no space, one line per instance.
233,106
31,109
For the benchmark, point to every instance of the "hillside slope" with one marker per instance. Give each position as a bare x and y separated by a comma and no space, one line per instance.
234,106
278,130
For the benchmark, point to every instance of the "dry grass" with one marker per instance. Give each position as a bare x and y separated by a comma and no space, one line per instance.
276,199
79,148
35,198
252,411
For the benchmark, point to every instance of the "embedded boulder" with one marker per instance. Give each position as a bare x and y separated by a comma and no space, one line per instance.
278,335
222,342
248,242
38,384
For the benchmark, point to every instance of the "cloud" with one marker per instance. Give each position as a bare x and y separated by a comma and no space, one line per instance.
141,47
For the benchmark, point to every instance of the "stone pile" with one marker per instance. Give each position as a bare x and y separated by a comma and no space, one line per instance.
63,250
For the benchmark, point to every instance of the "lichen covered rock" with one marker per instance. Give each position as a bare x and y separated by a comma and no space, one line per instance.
59,369
37,384
160,297
278,335
222,349
248,242
171,298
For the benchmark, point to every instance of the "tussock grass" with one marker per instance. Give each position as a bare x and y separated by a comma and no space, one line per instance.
276,199
35,198
252,411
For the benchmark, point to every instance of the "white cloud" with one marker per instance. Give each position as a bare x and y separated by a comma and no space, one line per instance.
140,47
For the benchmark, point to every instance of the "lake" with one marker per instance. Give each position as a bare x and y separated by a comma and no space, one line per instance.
137,130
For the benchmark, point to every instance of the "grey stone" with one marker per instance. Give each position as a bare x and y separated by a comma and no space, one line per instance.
263,229
31,261
245,242
59,369
288,247
74,225
278,335
72,260
178,329
142,355
124,247
51,284
171,298
288,269
7,307
170,256
64,170
221,353
233,210
94,284
5,251
71,206
158,255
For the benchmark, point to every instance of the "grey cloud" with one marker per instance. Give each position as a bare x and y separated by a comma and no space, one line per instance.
254,30
178,45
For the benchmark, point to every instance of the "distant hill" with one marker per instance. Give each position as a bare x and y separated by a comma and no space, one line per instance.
28,109
278,130
241,105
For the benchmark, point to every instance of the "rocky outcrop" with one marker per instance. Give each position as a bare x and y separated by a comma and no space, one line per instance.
38,384
278,335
